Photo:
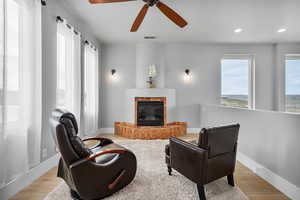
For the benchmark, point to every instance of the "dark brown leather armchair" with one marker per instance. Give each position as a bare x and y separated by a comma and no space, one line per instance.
213,157
91,173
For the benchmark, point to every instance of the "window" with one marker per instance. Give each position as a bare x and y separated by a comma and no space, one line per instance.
20,87
13,60
68,84
12,45
61,70
236,81
91,85
62,66
292,83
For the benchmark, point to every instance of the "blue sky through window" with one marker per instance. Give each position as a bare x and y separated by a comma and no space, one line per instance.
292,77
235,76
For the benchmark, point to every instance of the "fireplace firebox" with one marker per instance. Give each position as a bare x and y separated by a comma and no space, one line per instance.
150,111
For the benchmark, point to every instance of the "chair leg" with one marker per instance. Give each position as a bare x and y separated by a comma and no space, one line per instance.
201,192
230,180
75,195
170,171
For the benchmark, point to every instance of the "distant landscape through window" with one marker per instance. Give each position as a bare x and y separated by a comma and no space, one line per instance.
235,83
292,85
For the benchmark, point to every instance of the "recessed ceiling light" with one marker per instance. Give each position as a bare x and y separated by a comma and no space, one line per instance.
238,30
281,30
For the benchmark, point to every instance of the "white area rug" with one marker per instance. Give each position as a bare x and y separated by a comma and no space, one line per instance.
152,181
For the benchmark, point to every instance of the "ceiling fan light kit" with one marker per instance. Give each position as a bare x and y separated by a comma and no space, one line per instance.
167,11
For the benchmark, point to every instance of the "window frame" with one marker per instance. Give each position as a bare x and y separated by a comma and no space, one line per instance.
251,77
288,57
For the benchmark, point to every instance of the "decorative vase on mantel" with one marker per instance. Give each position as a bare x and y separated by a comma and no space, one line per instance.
151,75
151,83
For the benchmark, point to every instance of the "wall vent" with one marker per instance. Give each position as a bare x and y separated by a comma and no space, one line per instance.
149,37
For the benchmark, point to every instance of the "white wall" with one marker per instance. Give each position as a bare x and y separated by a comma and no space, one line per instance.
121,57
269,138
149,54
204,62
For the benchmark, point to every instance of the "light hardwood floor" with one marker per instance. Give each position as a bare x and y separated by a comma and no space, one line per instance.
253,186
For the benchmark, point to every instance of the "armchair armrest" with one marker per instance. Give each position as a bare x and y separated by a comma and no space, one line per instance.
93,156
93,138
103,141
189,160
107,151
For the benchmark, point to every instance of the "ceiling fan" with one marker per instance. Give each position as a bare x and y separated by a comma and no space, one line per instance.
170,13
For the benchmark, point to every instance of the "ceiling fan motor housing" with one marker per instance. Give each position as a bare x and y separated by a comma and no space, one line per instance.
151,2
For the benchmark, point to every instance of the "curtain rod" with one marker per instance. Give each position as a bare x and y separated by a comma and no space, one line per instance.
44,3
89,43
61,20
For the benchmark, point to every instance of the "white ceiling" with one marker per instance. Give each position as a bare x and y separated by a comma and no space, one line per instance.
209,20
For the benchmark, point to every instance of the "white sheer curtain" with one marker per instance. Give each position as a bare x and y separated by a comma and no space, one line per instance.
91,83
20,87
68,90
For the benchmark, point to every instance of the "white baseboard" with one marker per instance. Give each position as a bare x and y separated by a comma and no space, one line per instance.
107,130
289,189
26,179
194,130
111,130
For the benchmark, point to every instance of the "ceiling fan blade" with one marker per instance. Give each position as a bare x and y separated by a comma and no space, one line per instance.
171,14
108,1
139,19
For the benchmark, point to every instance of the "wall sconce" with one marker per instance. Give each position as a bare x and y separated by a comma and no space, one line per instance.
44,2
187,72
187,75
114,74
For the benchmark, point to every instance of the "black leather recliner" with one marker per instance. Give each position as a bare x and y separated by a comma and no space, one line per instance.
91,173
212,158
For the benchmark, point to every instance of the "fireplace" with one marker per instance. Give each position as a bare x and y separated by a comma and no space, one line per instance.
150,111
150,120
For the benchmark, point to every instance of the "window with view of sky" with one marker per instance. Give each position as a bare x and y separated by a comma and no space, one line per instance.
235,83
292,85
13,62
